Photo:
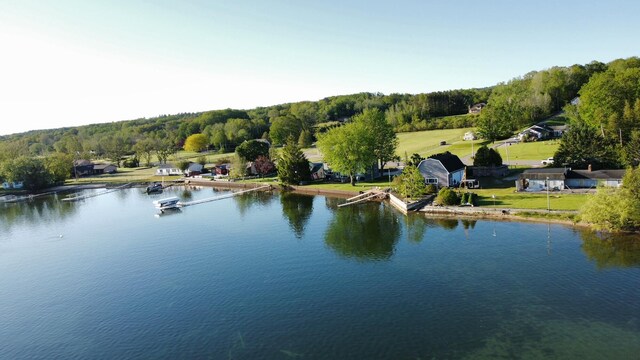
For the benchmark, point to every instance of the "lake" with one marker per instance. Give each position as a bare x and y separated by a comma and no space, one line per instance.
287,276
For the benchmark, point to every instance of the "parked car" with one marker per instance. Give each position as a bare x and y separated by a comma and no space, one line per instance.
547,161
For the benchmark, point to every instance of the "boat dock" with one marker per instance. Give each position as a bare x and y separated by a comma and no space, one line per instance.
365,196
82,197
226,196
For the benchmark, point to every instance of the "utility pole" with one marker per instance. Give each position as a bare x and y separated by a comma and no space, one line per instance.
548,203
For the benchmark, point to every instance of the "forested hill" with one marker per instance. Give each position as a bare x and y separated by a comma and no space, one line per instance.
510,105
408,112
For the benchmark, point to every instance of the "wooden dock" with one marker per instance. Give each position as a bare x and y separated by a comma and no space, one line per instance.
365,196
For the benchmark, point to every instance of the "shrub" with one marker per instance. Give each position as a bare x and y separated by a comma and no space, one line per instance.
447,196
131,162
471,199
464,198
431,189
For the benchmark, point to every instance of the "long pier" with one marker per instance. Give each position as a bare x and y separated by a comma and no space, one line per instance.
226,196
82,197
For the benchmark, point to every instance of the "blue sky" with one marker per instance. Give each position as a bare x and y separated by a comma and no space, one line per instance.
67,63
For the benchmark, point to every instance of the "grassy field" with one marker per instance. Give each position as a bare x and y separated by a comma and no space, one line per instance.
508,198
427,143
124,175
537,150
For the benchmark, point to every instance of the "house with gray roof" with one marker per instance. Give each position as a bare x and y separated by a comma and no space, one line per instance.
564,178
442,170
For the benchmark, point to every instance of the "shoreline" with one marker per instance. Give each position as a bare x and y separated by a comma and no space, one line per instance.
427,211
435,211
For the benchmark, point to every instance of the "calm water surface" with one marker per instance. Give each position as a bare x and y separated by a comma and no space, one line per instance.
265,276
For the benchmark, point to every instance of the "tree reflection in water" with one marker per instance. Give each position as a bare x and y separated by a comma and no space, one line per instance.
46,209
364,231
611,250
297,209
416,227
251,199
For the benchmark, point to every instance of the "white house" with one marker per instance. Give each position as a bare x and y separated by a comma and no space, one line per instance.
168,170
469,135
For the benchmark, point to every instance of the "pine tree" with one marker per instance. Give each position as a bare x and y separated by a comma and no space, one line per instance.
293,166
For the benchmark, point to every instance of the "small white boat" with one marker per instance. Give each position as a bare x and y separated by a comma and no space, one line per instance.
168,203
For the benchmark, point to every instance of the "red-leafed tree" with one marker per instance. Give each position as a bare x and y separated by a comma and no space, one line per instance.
264,165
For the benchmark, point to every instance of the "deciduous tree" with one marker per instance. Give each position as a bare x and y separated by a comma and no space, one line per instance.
348,149
251,149
410,183
196,142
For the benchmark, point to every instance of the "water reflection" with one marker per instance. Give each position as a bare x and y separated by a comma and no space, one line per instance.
47,209
416,227
297,209
445,223
248,200
365,232
611,250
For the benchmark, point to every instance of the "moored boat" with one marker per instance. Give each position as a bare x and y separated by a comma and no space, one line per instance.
154,188
167,203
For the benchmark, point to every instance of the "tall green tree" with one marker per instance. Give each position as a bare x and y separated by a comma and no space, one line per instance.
582,146
293,166
284,126
163,148
252,149
604,97
487,157
218,136
381,134
58,166
348,149
144,148
115,147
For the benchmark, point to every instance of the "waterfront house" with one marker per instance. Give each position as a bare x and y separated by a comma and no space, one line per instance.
221,169
442,170
540,179
317,171
168,170
565,178
104,169
593,178
82,168
194,169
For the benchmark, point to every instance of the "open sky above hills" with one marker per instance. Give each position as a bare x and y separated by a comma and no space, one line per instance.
68,62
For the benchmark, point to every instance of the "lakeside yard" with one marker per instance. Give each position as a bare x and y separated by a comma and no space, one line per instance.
424,143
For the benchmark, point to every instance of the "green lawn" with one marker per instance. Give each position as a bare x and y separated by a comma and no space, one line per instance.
508,198
537,150
124,175
427,142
